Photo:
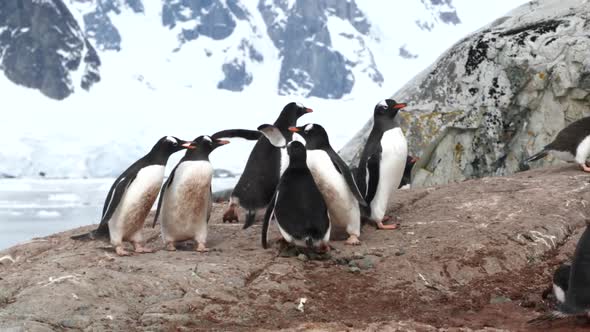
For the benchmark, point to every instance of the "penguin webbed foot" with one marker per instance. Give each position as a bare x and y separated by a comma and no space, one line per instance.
381,225
120,251
585,167
230,215
140,249
200,247
353,240
170,246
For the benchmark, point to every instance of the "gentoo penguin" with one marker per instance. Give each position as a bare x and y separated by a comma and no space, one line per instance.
576,296
263,170
298,206
132,195
334,179
560,282
407,178
572,144
185,200
382,162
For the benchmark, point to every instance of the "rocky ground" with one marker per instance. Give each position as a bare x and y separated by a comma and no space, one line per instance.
475,255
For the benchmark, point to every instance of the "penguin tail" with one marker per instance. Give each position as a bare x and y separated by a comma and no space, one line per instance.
547,317
309,242
83,237
536,156
99,233
250,219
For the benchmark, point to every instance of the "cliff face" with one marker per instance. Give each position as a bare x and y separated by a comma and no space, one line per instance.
42,47
476,254
497,96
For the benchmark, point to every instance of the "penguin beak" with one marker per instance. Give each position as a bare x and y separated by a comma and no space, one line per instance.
294,129
308,110
399,106
222,142
188,145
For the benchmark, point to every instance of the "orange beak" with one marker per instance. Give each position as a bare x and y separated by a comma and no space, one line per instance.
293,129
308,110
188,145
399,106
222,142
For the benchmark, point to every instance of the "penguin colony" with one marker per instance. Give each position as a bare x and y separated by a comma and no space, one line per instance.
299,181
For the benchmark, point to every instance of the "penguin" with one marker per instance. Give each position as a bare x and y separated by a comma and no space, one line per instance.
572,144
575,299
407,178
382,162
132,195
334,180
185,198
263,169
298,206
560,282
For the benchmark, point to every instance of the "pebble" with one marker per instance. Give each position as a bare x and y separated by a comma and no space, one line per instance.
354,269
357,255
499,299
302,258
365,263
400,252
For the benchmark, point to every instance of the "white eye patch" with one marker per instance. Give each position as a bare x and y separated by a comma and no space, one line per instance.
299,105
382,103
207,138
171,139
309,127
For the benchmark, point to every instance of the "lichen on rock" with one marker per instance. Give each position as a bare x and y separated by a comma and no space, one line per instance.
503,93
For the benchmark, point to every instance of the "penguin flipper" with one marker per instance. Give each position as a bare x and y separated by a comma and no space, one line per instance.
266,221
345,171
373,170
250,135
537,156
116,194
162,191
547,317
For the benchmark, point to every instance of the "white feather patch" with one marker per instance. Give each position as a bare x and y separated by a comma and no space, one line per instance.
583,151
382,103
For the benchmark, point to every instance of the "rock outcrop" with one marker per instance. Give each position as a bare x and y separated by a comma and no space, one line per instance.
497,96
42,47
476,254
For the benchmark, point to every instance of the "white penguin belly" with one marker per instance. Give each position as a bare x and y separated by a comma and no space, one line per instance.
583,151
136,203
284,161
187,202
391,170
342,205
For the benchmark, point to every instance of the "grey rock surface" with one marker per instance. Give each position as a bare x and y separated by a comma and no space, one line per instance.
497,96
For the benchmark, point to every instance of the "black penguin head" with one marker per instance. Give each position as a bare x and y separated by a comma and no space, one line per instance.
204,145
297,154
315,136
386,110
170,144
290,113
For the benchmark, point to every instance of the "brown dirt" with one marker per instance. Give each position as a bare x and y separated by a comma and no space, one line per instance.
475,255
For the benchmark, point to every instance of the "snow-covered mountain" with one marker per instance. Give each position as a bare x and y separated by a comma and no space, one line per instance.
114,75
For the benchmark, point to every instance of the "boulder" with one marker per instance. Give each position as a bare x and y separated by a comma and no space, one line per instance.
497,96
477,256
